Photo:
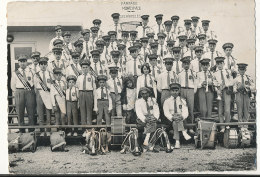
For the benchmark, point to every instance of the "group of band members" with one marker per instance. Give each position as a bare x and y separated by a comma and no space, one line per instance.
150,74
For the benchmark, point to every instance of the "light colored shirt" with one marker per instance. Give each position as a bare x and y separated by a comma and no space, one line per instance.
195,65
90,82
15,81
156,70
49,77
106,96
110,84
142,31
168,107
227,77
53,91
141,108
98,68
53,39
74,94
149,81
191,78
201,78
162,82
70,71
232,63
131,98
130,67
248,82
34,68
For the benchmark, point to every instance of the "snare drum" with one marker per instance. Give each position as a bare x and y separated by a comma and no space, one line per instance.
245,137
230,139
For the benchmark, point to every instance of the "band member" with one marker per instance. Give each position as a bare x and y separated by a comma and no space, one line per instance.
167,77
168,27
162,49
230,61
187,31
175,27
97,23
138,46
154,50
86,44
133,37
176,110
100,44
188,87
57,92
113,41
148,113
203,42
159,27
128,99
87,87
94,37
115,88
106,38
224,83
144,28
205,83
170,45
67,46
125,36
57,62
79,48
23,91
144,50
72,97
103,101
42,81
190,44
177,64
96,64
115,62
243,88
155,69
133,65
195,63
182,43
151,37
58,32
74,66
146,80
123,54
57,43
34,67
116,20
195,31
212,54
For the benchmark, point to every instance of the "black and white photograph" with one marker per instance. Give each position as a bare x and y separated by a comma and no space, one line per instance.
130,87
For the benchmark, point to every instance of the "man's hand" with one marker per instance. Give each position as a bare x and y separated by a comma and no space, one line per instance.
124,107
204,83
54,108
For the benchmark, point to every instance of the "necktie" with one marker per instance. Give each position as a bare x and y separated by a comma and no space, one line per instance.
58,64
181,52
35,68
59,84
228,63
199,65
168,36
159,28
205,75
143,31
223,79
162,50
70,95
135,71
243,81
212,62
191,54
115,87
186,79
174,29
116,27
24,75
148,108
175,106
168,79
102,93
77,66
144,55
96,68
153,72
145,80
177,66
84,82
44,78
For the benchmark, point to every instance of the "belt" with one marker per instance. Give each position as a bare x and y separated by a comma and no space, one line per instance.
102,99
187,88
166,89
21,89
86,90
114,93
71,101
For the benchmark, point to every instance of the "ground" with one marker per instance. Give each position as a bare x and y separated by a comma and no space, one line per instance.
186,159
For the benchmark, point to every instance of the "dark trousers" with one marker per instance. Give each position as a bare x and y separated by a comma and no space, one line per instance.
25,99
188,94
103,109
226,101
205,102
72,113
86,102
130,116
243,103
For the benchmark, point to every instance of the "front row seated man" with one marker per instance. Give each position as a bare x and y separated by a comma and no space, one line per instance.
148,113
176,110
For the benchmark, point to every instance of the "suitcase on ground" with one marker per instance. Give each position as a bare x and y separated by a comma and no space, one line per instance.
230,139
57,140
22,142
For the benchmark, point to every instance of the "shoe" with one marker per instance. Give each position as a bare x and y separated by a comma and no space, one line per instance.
227,127
186,136
156,150
191,131
69,134
222,130
123,151
42,134
177,145
103,121
94,121
75,134
48,134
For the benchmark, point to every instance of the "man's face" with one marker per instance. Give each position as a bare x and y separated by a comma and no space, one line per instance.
154,50
175,92
175,22
145,95
202,41
76,60
115,58
132,37
23,63
153,62
144,44
159,21
79,48
58,76
228,51
205,67
43,66
186,65
182,43
67,39
145,22
161,40
125,38
191,45
59,45
86,36
187,26
195,23
168,28
176,55
71,83
112,38
205,27
94,34
212,47
113,74
151,39
241,71
220,65
95,58
85,68
57,55
35,60
198,53
101,83
168,66
170,47
97,25
58,32
134,54
100,48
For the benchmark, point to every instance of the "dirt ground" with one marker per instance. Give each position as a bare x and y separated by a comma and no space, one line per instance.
186,159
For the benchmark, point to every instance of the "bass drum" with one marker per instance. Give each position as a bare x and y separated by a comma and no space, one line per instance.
230,139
